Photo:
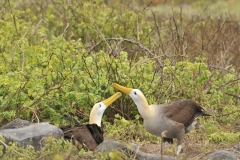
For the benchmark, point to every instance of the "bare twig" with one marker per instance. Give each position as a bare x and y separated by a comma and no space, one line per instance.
158,32
136,152
89,73
114,108
34,111
224,69
138,38
82,113
148,5
11,97
36,100
143,61
68,155
14,94
235,111
5,145
122,40
66,28
14,19
215,33
231,94
229,82
104,39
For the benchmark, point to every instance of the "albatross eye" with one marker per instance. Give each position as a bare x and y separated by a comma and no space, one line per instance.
135,92
99,105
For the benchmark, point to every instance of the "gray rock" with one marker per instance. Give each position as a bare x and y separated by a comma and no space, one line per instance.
109,145
222,155
237,147
32,134
16,123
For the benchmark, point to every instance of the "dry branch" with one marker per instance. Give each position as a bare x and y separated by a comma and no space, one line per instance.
235,111
36,100
5,145
231,94
123,40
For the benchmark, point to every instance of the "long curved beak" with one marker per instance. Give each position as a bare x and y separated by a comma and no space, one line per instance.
111,99
125,90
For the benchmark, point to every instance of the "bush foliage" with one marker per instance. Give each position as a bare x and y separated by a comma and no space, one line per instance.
58,58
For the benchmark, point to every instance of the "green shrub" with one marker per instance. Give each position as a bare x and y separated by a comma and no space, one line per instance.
58,58
224,137
132,130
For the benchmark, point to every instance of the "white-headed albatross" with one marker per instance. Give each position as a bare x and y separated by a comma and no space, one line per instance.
170,120
91,135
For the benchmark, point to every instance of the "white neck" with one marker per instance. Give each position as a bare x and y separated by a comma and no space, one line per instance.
146,111
97,113
95,119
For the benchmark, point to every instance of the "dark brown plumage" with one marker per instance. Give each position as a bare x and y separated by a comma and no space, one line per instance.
89,135
96,131
183,111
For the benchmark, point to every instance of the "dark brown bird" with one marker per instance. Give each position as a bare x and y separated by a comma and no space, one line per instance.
170,120
91,135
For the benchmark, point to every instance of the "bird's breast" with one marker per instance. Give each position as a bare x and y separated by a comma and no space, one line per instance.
156,126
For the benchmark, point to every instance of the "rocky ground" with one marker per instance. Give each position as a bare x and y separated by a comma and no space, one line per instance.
189,152
150,151
194,148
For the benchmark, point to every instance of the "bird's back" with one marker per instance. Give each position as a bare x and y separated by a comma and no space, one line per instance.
183,111
173,117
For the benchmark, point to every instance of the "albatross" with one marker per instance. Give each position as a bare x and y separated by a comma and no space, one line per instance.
168,121
90,135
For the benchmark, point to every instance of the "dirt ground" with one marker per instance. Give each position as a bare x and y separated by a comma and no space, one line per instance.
192,149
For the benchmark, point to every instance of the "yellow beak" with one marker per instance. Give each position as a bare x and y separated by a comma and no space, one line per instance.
111,99
125,90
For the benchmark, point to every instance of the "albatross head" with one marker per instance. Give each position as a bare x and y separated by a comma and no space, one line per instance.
99,108
135,94
138,98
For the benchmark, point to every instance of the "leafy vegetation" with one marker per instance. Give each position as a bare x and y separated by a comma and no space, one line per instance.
58,58
53,149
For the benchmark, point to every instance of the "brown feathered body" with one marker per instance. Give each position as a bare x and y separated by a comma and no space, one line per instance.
89,135
173,119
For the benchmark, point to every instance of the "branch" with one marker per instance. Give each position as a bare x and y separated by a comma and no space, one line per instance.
14,18
14,94
224,69
122,40
158,32
215,33
231,94
114,108
11,97
104,39
36,100
148,5
89,73
238,110
229,82
66,28
5,145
